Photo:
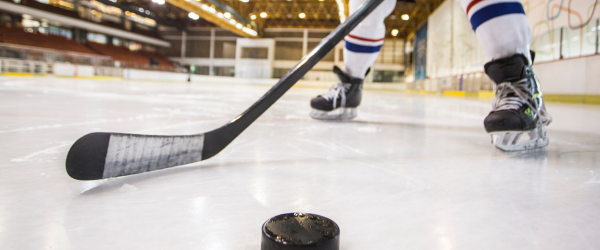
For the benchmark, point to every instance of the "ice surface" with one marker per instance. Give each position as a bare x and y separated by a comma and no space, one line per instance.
411,172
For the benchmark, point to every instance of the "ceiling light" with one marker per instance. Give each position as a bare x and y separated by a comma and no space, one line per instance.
239,26
263,15
404,17
340,5
232,22
302,15
250,31
252,16
244,1
208,8
394,32
227,15
220,15
193,15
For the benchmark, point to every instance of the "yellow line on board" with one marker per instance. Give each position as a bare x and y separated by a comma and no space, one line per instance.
586,99
19,74
583,99
591,99
486,94
99,77
454,93
112,78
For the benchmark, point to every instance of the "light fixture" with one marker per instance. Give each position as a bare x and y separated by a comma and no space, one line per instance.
394,32
404,17
239,25
250,31
302,15
209,8
161,2
263,15
252,16
227,15
244,1
341,13
232,22
193,15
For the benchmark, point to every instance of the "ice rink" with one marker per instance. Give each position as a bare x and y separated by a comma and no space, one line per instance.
413,171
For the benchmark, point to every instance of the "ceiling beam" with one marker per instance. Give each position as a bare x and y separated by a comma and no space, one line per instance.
209,13
125,8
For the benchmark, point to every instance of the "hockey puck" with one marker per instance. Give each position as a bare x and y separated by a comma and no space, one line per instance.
300,231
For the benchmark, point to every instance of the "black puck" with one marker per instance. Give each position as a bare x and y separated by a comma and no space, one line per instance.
300,231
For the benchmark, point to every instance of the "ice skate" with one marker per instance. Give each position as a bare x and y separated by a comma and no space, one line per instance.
341,101
518,118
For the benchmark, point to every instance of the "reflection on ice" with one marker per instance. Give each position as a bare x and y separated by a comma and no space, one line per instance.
418,169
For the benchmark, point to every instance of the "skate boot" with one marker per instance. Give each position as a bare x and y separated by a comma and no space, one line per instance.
341,100
518,118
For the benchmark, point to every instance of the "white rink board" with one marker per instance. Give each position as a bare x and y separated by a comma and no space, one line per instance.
73,70
149,75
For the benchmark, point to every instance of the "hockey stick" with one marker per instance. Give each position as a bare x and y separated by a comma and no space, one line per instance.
104,155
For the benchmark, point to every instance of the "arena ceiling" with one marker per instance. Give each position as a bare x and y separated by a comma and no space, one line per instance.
285,13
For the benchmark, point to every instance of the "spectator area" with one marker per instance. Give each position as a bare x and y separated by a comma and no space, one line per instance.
128,58
118,53
20,37
163,61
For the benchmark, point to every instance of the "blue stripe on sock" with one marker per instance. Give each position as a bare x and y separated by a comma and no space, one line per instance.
495,10
361,48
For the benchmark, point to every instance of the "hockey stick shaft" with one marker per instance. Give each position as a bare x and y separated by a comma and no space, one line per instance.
216,140
104,155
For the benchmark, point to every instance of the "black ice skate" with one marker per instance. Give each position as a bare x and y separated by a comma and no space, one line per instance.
518,107
341,100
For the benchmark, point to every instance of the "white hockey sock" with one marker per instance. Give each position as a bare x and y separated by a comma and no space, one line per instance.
500,25
364,42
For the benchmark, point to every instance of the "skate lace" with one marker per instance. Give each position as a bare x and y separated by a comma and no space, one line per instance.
513,96
336,91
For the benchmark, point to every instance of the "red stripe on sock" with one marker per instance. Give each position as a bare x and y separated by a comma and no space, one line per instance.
472,4
365,39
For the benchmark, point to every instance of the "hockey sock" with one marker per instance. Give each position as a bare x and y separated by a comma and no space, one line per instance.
501,27
364,42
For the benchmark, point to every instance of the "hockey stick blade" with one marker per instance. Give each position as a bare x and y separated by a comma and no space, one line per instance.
105,155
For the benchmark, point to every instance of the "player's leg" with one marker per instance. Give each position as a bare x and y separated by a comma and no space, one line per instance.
518,110
361,49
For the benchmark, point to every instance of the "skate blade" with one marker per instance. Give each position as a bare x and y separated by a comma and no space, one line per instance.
337,114
521,141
